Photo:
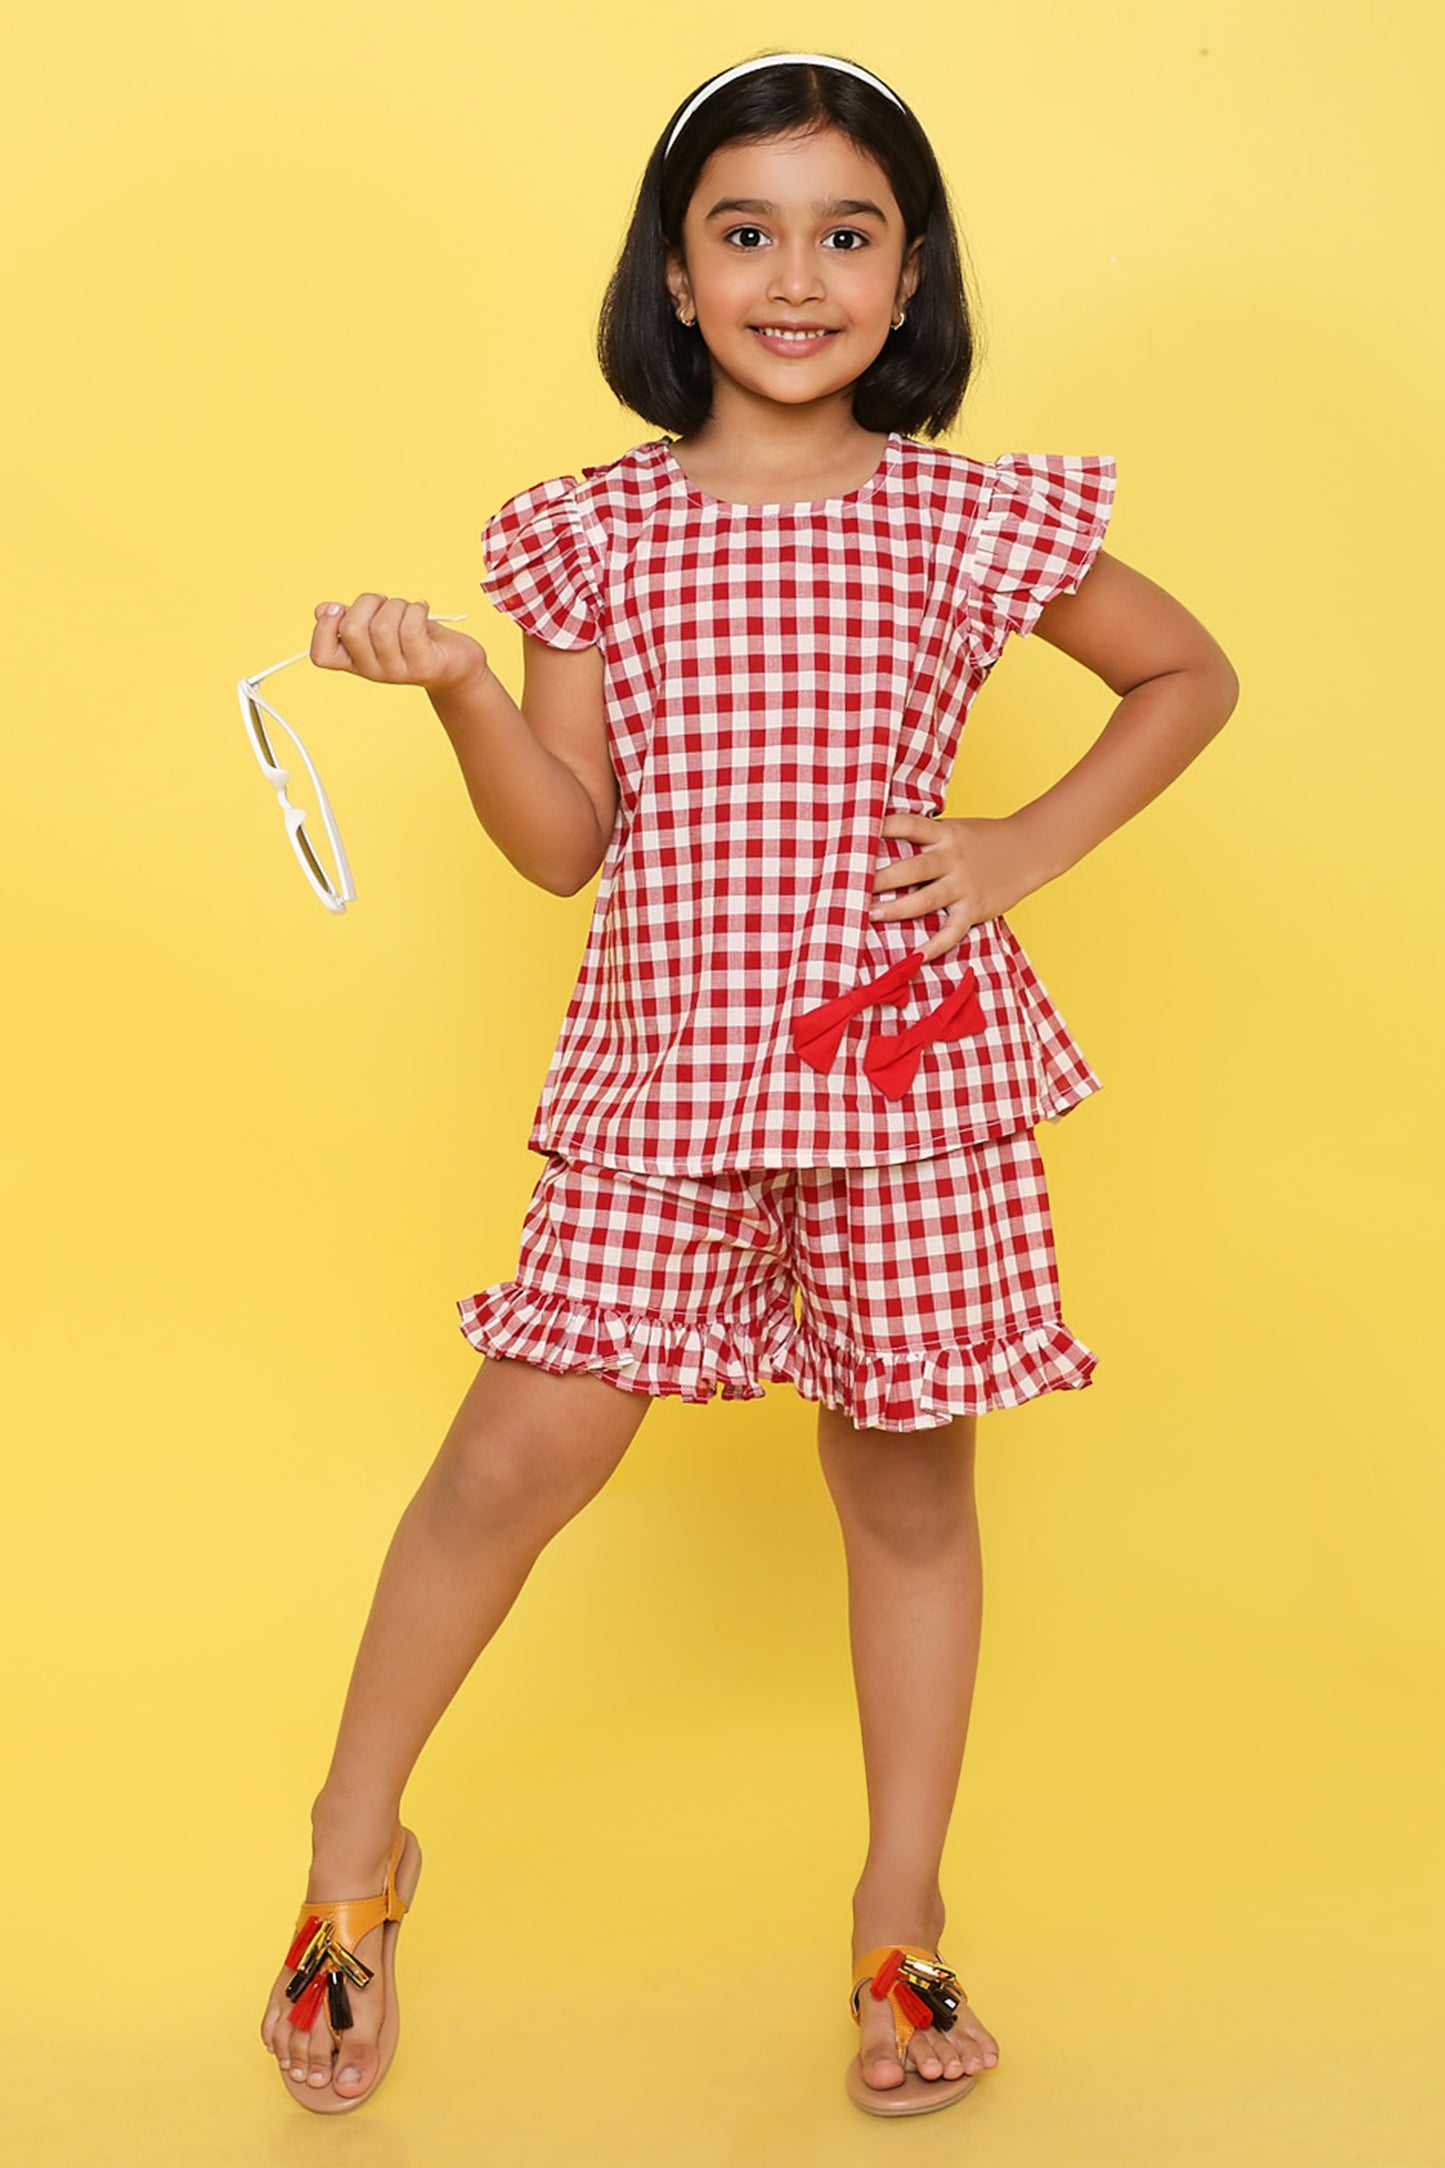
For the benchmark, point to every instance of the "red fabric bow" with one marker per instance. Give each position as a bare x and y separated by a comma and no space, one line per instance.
890,1059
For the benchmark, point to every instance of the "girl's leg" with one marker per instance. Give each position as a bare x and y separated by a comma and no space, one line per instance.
909,1519
525,1452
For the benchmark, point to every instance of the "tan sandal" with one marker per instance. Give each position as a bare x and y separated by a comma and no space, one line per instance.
323,1953
922,1992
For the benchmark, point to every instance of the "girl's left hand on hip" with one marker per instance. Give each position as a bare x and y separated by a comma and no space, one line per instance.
970,867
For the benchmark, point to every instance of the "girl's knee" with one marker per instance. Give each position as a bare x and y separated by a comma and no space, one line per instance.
528,1443
911,1489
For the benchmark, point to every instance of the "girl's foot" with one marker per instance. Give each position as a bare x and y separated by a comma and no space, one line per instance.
966,2046
342,1865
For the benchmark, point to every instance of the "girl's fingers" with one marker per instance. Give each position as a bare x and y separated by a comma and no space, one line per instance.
353,630
909,872
955,930
384,630
384,637
917,903
900,874
326,649
417,646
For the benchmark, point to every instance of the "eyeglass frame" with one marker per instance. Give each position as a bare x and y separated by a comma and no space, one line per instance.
252,704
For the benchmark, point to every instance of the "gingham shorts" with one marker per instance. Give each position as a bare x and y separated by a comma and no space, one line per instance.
901,1295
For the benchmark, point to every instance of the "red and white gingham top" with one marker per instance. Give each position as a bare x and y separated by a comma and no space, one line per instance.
778,679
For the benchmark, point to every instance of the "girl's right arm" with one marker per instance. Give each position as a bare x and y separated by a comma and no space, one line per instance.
541,781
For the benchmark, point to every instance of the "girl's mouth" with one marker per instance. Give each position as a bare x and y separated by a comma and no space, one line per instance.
791,342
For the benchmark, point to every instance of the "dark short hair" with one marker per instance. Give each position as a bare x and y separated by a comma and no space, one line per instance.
660,368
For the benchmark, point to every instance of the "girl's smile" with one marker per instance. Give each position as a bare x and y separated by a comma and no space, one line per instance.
792,343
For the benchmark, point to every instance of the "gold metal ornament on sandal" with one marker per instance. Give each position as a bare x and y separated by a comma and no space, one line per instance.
323,1967
929,1992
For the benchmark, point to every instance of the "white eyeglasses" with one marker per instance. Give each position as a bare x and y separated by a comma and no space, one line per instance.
335,894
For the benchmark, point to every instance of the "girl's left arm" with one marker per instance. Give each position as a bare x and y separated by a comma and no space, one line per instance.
1178,690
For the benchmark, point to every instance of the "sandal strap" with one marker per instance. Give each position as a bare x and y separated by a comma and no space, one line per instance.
873,1961
353,1917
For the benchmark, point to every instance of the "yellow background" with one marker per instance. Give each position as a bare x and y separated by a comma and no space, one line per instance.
296,299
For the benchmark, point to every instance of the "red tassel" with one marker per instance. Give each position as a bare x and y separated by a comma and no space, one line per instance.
914,2008
308,2002
303,1936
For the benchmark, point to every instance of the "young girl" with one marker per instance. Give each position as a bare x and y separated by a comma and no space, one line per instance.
805,1053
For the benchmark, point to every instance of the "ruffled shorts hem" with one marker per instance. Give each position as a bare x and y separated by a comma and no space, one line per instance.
923,1388
692,1359
686,1357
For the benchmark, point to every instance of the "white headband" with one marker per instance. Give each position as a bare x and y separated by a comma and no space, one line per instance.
773,60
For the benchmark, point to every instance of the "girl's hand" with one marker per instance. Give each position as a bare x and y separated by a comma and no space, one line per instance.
394,642
972,867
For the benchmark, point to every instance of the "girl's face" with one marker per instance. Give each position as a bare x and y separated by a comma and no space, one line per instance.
801,232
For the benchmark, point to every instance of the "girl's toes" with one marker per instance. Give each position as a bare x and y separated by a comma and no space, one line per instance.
273,2025
291,2049
986,2049
975,2051
281,2037
318,2053
356,2058
297,2046
878,2053
355,2063
882,2068
925,2055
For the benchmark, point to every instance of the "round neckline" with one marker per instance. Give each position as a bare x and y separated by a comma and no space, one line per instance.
804,504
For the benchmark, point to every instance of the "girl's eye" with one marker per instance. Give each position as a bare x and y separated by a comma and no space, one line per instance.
852,231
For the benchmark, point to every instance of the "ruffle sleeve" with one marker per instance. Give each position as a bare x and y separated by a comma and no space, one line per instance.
544,559
1040,527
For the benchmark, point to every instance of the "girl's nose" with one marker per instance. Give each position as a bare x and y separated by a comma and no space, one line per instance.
795,287
795,275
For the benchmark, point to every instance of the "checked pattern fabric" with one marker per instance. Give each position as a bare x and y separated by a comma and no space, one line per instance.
778,679
901,1295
